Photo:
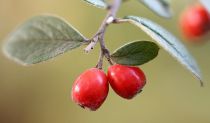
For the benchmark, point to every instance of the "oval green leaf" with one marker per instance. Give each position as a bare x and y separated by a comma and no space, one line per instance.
169,42
135,53
206,4
98,3
41,38
160,7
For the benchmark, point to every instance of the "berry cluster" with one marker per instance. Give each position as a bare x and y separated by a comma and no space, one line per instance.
91,88
195,22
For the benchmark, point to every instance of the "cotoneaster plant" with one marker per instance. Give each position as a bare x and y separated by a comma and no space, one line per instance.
126,81
90,89
44,37
195,22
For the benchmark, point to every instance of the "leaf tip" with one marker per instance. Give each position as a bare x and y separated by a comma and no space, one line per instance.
199,77
201,83
7,54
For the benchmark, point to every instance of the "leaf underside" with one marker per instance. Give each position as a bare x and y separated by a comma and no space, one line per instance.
98,3
169,42
160,7
41,38
135,53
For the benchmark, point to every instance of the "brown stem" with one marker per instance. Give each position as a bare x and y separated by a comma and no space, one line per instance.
110,17
119,20
100,61
99,36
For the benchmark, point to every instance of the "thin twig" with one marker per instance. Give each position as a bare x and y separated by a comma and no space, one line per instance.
99,36
104,52
119,20
110,17
100,61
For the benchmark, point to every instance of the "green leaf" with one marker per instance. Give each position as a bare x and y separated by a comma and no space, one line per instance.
169,42
135,53
98,3
41,38
160,7
206,4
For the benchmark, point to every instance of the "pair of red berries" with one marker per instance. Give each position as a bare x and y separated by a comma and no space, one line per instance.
91,88
195,22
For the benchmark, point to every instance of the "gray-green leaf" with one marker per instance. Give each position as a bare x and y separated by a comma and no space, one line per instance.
98,3
41,38
169,42
206,4
160,7
135,53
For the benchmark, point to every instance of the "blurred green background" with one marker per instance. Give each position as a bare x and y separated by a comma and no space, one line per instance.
41,93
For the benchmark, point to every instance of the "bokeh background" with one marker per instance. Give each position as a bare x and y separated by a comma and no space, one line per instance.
41,93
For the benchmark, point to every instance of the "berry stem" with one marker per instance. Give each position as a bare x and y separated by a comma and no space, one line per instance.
99,36
100,61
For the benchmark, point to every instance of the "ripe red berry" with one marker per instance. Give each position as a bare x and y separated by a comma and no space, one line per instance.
195,22
90,89
126,81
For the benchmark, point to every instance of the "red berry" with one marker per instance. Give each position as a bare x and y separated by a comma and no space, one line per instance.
195,22
126,81
90,89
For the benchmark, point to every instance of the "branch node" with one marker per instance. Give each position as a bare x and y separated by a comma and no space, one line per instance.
110,20
90,46
99,36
